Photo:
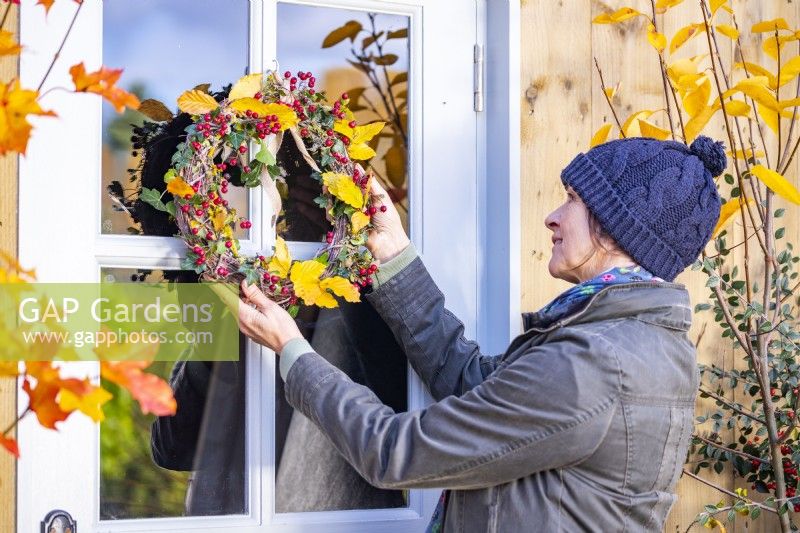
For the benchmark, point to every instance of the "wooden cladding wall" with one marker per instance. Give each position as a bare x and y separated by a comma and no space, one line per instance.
9,67
562,105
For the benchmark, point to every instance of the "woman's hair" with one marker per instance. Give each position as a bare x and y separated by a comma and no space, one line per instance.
600,237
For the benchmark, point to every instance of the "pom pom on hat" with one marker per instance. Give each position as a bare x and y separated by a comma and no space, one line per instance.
711,153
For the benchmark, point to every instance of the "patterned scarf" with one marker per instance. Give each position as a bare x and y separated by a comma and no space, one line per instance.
563,305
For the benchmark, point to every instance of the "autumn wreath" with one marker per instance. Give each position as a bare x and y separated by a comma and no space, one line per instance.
244,131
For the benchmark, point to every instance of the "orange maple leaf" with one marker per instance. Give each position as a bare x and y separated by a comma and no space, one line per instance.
9,444
47,5
42,401
8,46
103,82
16,104
153,393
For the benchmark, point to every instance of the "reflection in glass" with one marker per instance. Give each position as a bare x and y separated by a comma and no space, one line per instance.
365,55
310,474
189,464
165,47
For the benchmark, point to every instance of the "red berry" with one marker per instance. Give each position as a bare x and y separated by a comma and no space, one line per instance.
228,244
246,169
188,196
304,132
209,236
274,279
242,149
362,271
329,133
352,124
199,212
312,108
195,231
198,250
285,290
272,288
372,210
199,261
266,276
345,96
287,74
258,96
207,117
383,209
328,143
185,208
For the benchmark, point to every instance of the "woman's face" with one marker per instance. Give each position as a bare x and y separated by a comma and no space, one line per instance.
575,255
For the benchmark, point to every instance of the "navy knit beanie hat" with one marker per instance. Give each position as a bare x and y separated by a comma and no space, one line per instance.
657,199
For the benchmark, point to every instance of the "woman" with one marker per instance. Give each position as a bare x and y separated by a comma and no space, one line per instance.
584,422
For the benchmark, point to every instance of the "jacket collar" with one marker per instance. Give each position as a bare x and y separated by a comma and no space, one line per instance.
664,304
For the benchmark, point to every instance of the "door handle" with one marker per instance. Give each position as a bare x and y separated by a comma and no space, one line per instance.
58,521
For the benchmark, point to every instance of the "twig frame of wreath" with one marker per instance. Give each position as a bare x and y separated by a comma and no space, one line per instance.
260,109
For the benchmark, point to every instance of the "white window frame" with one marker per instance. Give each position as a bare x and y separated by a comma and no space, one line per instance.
498,262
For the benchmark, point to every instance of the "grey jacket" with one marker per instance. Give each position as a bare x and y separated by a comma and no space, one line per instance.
582,426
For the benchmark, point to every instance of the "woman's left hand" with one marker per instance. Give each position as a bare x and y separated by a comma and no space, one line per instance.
267,323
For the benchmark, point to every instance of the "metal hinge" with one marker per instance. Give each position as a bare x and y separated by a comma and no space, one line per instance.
478,77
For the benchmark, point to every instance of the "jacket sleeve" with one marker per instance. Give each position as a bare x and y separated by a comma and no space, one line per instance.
431,336
550,408
173,439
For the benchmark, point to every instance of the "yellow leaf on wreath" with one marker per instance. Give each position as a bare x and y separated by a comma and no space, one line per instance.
726,212
648,129
619,15
341,287
305,277
684,34
342,187
281,261
728,31
359,137
219,220
769,25
779,185
656,39
178,187
196,102
600,136
286,116
247,86
358,221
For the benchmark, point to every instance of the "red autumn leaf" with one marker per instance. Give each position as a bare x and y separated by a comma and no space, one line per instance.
10,444
153,393
103,82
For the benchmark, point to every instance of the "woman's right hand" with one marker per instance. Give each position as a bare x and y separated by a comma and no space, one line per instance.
387,238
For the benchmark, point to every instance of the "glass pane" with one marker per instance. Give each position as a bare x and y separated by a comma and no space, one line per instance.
165,47
373,68
310,473
189,464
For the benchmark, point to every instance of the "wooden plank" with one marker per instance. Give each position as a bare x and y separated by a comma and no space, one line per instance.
9,67
555,126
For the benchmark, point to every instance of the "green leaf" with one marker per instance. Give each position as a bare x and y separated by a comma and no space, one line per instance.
171,208
779,233
293,310
779,212
153,198
265,156
170,175
713,281
755,512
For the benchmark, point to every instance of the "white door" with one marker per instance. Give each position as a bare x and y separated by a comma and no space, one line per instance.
70,230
